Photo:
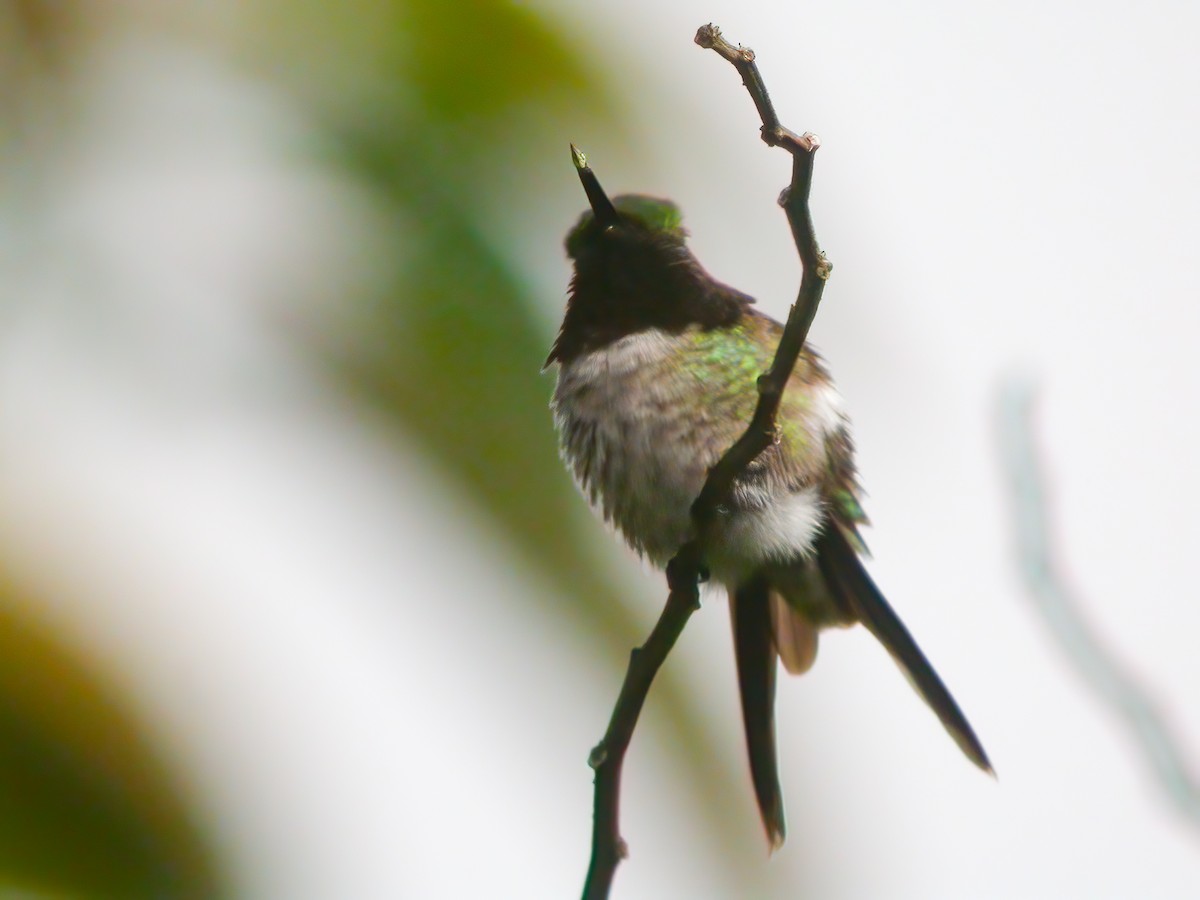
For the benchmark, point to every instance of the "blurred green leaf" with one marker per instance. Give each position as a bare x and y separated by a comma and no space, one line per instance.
448,344
487,55
86,809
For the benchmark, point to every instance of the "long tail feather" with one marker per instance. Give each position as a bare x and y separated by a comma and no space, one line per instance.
845,574
756,666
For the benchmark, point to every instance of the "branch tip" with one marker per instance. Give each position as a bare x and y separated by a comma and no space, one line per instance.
707,34
710,38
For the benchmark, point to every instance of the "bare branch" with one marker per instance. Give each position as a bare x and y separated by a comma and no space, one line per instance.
816,269
687,569
607,758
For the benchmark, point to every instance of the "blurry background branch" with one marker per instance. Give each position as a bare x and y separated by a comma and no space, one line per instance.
1065,613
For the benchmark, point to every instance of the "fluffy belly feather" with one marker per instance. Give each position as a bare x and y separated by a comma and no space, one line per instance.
640,424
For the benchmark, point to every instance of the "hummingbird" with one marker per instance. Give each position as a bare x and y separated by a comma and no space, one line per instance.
657,364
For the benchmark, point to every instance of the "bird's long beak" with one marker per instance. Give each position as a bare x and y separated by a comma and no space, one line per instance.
606,213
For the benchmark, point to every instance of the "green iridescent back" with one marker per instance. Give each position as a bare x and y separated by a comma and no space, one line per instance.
726,363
